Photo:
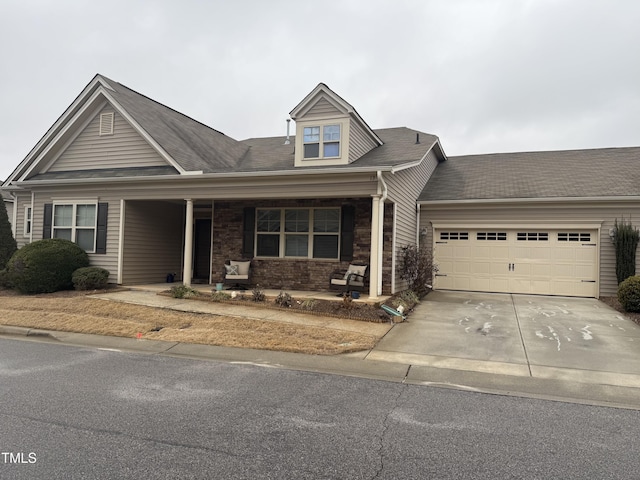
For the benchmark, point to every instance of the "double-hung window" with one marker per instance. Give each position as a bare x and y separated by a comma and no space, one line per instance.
77,223
298,232
321,141
27,220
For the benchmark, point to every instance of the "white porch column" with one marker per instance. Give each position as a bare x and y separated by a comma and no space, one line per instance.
188,244
374,261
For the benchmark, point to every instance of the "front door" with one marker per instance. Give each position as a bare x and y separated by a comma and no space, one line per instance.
202,250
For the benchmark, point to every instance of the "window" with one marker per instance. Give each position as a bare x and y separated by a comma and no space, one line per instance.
27,221
76,223
298,232
321,142
533,236
491,236
574,237
454,235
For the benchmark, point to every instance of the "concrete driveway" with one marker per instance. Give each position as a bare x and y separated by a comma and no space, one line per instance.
579,339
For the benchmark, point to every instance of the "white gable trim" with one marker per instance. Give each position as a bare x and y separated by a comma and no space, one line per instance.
324,91
88,99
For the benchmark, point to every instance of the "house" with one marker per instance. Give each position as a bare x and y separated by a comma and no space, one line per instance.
148,191
8,203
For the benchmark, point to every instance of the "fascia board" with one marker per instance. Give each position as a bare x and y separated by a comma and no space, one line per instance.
518,201
61,130
206,176
33,153
415,163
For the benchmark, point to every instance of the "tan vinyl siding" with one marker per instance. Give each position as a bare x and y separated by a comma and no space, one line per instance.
404,188
322,108
359,142
90,151
563,215
108,261
153,236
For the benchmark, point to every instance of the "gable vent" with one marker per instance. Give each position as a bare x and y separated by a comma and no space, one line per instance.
106,123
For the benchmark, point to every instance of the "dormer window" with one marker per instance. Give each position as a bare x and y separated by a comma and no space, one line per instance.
323,139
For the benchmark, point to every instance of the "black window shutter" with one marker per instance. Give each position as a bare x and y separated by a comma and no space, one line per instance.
48,220
248,226
348,221
101,233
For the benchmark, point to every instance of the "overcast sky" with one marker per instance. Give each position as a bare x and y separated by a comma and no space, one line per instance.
483,75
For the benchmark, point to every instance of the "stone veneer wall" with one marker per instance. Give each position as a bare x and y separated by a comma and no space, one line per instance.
296,274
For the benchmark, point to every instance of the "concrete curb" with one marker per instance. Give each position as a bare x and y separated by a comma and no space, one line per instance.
25,332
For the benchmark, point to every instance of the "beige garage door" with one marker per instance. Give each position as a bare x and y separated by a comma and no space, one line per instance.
535,261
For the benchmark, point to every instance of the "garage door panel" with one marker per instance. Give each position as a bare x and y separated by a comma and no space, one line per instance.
539,261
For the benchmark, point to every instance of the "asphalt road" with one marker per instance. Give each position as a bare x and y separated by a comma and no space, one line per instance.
69,412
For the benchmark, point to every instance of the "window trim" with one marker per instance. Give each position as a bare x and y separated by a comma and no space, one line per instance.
28,220
321,141
74,227
311,234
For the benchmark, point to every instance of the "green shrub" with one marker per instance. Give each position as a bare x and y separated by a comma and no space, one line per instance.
625,239
629,294
90,278
182,291
45,266
7,242
309,304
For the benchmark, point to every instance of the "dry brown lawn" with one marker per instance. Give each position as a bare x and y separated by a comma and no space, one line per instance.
73,312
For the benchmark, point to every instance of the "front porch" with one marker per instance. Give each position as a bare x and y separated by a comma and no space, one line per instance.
269,292
193,239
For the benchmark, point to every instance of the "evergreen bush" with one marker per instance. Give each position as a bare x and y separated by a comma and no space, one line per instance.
90,278
625,239
45,266
629,294
7,243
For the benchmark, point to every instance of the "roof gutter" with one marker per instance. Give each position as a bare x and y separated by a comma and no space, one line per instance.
205,176
477,201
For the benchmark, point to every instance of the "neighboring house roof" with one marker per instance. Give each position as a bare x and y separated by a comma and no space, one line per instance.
605,172
7,198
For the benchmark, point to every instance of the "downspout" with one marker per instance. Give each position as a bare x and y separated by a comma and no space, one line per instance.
382,199
14,216
418,225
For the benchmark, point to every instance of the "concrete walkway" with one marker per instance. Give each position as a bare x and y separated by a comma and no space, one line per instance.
558,348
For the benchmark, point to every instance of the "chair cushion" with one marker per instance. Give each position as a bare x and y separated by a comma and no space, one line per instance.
243,267
357,269
343,282
236,277
231,269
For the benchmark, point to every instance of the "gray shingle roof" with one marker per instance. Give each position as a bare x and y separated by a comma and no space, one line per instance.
606,172
195,146
270,154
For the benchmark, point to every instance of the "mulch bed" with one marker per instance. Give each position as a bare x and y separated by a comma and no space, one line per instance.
614,303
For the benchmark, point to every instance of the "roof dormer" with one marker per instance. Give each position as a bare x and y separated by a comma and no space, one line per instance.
329,131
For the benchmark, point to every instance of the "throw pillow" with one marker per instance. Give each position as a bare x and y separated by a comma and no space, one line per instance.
231,269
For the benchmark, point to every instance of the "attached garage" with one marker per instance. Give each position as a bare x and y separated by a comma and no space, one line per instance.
529,260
